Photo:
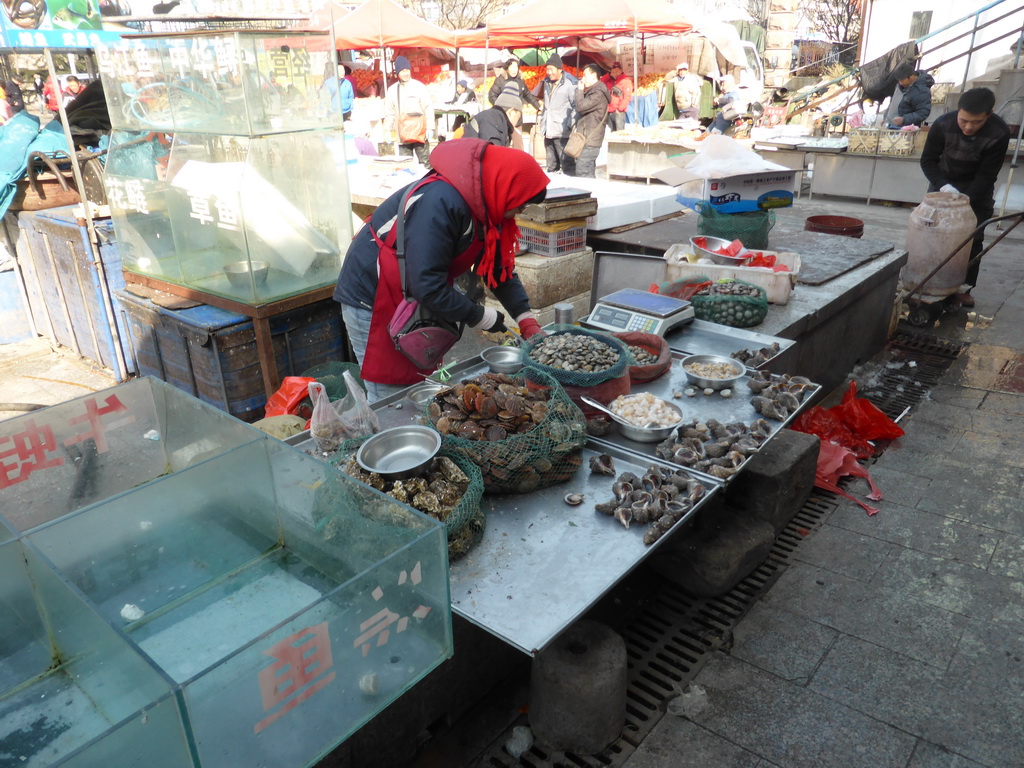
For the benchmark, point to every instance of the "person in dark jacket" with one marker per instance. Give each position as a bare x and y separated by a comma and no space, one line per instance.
513,75
15,98
460,218
556,120
496,125
463,94
963,154
591,116
916,104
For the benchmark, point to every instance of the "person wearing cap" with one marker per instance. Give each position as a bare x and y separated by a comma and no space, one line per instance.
686,91
463,93
916,87
461,218
620,89
511,74
497,124
591,117
557,118
405,101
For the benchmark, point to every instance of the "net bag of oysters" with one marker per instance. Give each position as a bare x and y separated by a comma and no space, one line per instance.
731,302
449,490
521,430
584,362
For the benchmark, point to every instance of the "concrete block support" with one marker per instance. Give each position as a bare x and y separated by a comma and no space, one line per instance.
578,689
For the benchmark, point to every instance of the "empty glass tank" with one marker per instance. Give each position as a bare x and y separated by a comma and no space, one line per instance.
73,690
249,219
287,602
239,83
67,456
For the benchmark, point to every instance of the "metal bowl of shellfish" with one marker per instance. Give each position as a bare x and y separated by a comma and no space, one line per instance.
400,452
503,359
713,371
640,434
713,244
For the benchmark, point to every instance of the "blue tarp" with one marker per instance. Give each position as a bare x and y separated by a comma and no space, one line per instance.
18,138
643,110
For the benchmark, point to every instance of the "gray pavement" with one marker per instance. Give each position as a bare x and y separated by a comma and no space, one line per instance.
891,640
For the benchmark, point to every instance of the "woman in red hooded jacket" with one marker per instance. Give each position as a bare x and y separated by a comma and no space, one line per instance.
460,217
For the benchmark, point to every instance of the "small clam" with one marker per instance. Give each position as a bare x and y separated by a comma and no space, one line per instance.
574,499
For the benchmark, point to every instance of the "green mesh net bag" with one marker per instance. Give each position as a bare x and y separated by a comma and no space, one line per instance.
521,430
577,357
330,374
731,302
450,491
750,227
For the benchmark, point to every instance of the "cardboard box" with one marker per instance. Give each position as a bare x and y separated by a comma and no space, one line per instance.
732,194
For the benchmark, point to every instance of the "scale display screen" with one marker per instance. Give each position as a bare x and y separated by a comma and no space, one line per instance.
647,303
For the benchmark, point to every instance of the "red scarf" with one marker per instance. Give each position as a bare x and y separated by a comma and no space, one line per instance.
493,181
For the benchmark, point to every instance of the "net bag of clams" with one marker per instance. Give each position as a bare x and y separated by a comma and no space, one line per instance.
450,491
521,430
733,303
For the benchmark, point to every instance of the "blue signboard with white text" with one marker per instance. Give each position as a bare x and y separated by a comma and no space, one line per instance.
53,24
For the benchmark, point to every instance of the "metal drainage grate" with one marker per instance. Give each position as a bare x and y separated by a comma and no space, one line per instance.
916,364
667,644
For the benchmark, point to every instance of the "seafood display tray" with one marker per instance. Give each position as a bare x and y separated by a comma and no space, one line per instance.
702,407
543,563
701,337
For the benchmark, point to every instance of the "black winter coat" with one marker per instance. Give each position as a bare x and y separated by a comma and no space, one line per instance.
917,100
969,163
491,125
524,93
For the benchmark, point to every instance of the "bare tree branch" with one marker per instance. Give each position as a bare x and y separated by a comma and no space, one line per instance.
838,20
458,14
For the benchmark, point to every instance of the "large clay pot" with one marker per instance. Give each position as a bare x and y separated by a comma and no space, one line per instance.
937,226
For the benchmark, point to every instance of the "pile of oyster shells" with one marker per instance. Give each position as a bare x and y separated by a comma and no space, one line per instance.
754,358
661,497
713,447
436,492
574,352
778,397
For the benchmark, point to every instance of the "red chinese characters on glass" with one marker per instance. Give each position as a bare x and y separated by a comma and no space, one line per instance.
303,665
30,450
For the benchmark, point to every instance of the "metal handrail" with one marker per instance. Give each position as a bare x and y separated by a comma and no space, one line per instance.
960,21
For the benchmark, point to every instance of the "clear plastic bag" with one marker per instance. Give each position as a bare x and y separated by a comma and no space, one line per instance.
326,425
358,419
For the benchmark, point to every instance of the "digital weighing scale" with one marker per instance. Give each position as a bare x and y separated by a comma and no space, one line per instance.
634,310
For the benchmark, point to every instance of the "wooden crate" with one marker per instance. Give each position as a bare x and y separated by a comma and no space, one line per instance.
898,143
863,141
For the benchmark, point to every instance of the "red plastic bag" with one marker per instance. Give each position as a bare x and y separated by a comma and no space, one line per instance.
863,419
285,401
654,344
835,462
826,425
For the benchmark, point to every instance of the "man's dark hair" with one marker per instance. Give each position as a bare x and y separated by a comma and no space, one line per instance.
904,70
977,101
595,69
511,61
72,79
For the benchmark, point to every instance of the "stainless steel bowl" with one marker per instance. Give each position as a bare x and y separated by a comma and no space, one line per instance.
713,244
705,383
422,394
400,452
649,434
503,359
238,273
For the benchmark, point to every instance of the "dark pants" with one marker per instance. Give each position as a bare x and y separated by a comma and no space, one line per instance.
586,163
422,152
689,112
616,122
556,157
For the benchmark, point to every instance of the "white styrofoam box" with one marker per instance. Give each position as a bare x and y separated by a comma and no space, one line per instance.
778,285
621,202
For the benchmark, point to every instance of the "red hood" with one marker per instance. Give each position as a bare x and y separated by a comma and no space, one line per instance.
460,162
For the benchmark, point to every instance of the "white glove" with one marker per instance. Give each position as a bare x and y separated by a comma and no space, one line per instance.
952,190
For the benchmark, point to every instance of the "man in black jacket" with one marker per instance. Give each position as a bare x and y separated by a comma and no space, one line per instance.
495,125
14,95
591,117
963,154
916,104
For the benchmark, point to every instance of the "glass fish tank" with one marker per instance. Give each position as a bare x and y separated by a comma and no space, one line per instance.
282,603
60,459
235,83
73,690
252,220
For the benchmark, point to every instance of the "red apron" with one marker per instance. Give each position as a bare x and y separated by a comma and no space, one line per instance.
382,362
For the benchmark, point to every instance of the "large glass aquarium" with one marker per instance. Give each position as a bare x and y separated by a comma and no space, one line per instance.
252,219
231,82
248,606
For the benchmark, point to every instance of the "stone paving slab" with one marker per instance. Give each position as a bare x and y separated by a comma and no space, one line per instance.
1008,559
950,394
792,726
923,531
1003,403
839,549
928,755
970,501
904,488
953,587
783,643
678,742
918,630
